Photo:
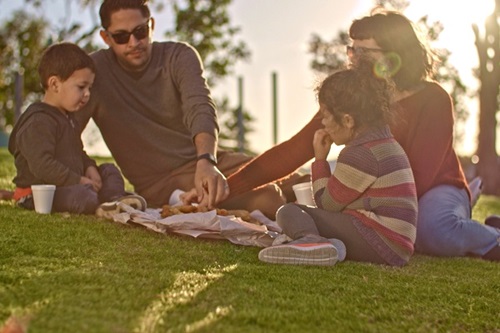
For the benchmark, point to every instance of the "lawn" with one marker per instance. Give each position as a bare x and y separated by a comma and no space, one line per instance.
69,273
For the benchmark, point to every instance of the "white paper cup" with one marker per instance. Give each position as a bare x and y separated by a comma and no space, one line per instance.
175,197
303,192
43,196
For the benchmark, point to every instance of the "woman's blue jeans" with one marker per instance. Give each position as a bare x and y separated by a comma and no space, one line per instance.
445,227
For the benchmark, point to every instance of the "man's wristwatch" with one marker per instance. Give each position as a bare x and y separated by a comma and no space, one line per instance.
210,157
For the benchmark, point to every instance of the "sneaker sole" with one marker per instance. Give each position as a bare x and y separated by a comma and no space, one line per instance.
303,254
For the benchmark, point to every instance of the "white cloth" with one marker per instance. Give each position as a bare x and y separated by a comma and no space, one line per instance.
206,225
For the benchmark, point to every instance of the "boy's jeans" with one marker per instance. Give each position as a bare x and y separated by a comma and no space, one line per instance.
82,199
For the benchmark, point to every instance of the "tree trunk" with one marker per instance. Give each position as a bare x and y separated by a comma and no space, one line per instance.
488,48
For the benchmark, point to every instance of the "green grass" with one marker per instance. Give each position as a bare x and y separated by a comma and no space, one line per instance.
68,273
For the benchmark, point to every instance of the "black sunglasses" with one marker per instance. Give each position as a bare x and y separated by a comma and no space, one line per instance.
358,50
139,33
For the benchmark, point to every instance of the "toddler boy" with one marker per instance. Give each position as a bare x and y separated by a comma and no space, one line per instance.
47,147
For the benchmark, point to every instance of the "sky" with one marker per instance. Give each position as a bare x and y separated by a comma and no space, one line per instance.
277,33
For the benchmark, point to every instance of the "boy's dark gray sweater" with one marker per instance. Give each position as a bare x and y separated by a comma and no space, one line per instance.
47,148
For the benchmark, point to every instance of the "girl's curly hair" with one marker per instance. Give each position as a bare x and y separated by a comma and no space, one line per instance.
359,92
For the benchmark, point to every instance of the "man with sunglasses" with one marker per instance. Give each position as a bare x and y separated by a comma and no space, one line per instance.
154,110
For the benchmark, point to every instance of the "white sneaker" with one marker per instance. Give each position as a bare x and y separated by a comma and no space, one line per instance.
475,187
319,254
340,246
108,209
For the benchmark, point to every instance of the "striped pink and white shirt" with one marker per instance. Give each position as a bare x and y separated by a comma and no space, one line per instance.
373,182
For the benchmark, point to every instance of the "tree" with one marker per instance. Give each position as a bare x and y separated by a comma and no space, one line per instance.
329,56
22,39
488,50
205,24
229,120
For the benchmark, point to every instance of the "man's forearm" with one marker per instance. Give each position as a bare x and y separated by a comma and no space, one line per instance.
205,144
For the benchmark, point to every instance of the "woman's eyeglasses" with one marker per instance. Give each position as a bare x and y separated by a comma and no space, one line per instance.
359,50
139,33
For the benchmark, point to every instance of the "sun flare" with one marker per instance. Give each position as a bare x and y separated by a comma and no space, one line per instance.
451,12
480,10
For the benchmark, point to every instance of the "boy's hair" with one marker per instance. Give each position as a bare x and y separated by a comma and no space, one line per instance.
62,60
108,7
396,34
359,92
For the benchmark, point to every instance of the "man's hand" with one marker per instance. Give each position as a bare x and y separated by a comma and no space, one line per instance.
93,175
189,197
211,185
85,180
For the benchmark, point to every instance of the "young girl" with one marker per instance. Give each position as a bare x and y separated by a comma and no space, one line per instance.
369,202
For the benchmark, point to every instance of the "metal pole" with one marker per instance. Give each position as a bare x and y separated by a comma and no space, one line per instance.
18,95
241,128
275,107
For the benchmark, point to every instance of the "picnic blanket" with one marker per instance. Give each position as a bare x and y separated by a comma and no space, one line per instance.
205,225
